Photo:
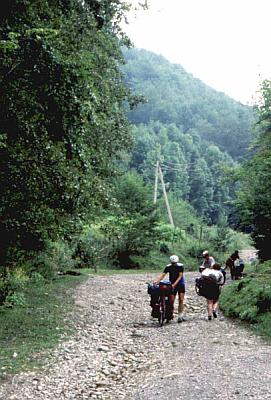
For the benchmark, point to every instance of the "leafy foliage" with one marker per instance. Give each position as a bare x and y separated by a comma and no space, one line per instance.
176,97
250,298
190,129
92,248
132,230
62,124
193,170
254,196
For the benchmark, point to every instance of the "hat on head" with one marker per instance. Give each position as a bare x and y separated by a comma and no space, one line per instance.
174,258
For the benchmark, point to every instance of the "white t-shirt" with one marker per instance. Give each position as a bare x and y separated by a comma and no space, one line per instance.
218,275
209,262
237,263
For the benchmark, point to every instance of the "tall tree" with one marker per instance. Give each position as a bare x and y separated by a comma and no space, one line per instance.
254,197
62,124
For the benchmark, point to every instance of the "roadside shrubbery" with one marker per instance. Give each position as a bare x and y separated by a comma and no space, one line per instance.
31,269
192,235
250,298
12,287
91,247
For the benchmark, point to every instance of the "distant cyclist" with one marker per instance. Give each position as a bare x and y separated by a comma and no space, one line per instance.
175,271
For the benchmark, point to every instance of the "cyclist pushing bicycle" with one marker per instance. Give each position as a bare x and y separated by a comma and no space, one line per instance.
175,271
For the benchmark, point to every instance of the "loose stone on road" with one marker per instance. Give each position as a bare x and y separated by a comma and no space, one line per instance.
120,352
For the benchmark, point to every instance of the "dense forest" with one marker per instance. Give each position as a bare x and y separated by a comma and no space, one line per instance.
62,126
176,97
194,131
84,121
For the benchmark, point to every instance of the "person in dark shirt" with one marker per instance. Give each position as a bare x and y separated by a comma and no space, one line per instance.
230,264
175,271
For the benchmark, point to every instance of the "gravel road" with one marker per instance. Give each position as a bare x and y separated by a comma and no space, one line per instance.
120,352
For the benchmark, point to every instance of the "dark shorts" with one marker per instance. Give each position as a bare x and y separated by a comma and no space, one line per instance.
212,292
180,288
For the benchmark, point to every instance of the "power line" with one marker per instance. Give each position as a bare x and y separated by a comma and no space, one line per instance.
170,169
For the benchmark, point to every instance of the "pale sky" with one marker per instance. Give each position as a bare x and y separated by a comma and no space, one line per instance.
225,43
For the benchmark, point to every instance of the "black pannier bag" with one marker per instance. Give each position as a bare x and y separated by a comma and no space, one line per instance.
154,292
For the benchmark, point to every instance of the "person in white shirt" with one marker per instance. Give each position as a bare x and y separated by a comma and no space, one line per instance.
209,261
214,279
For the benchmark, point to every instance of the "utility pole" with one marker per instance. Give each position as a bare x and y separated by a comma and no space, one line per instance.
156,183
165,195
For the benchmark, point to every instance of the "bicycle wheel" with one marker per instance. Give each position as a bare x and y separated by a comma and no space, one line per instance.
162,310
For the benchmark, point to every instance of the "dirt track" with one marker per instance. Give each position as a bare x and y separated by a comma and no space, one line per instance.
119,352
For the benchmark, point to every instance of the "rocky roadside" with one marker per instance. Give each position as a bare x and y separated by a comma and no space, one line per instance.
120,352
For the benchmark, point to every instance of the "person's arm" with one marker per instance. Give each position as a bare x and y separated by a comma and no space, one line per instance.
160,278
212,261
177,280
221,279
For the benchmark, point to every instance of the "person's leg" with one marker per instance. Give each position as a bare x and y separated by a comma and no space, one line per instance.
215,307
181,294
210,308
170,306
181,303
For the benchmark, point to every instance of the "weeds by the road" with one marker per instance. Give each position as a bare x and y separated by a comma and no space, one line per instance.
249,299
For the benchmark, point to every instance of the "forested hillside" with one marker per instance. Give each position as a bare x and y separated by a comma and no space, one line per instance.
195,133
176,97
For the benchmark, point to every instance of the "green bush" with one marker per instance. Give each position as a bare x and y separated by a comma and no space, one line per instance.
250,298
168,233
154,260
15,300
12,285
164,248
57,257
129,236
37,278
92,247
263,325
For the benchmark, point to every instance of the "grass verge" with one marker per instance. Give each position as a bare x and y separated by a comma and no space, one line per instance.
27,333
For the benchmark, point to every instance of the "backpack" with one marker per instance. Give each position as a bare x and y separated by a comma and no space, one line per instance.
200,286
203,284
211,278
